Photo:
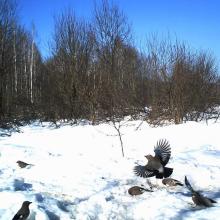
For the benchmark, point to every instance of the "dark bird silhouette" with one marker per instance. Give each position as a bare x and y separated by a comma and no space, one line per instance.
198,198
23,212
137,190
156,164
171,182
23,164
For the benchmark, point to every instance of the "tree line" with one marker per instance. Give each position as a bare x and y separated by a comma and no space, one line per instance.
96,72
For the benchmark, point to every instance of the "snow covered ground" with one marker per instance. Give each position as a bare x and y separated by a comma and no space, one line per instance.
79,172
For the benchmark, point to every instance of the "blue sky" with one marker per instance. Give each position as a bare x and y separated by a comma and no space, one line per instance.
196,22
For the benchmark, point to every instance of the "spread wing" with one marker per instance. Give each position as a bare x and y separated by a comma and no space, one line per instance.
142,171
163,151
188,185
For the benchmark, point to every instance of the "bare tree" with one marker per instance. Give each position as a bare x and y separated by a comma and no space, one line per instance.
184,82
72,57
16,66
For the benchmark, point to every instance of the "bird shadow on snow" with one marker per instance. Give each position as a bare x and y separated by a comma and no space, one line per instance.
61,204
182,193
20,185
49,213
213,195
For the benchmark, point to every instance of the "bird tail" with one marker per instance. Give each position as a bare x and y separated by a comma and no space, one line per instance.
159,175
179,183
167,172
188,185
30,165
147,190
212,201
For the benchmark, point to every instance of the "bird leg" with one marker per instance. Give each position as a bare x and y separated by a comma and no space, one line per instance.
157,184
192,204
149,184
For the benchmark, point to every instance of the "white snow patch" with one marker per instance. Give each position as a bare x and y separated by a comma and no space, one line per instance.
78,171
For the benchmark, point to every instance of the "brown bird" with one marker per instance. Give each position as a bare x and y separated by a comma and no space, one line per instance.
198,198
23,212
23,164
156,164
137,190
171,182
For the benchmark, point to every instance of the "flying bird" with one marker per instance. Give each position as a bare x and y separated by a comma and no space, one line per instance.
156,164
137,190
198,198
23,212
171,182
23,164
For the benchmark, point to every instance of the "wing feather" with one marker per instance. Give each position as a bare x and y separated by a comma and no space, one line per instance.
143,172
163,151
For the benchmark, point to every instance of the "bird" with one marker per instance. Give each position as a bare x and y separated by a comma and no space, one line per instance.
23,212
198,198
23,164
171,182
137,190
156,164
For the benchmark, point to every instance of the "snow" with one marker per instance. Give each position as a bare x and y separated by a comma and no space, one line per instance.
79,172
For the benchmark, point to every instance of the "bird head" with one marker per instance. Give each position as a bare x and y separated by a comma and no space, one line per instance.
26,203
149,157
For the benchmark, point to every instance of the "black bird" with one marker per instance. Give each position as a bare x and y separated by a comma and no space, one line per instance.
198,198
23,164
23,212
171,182
156,165
137,190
